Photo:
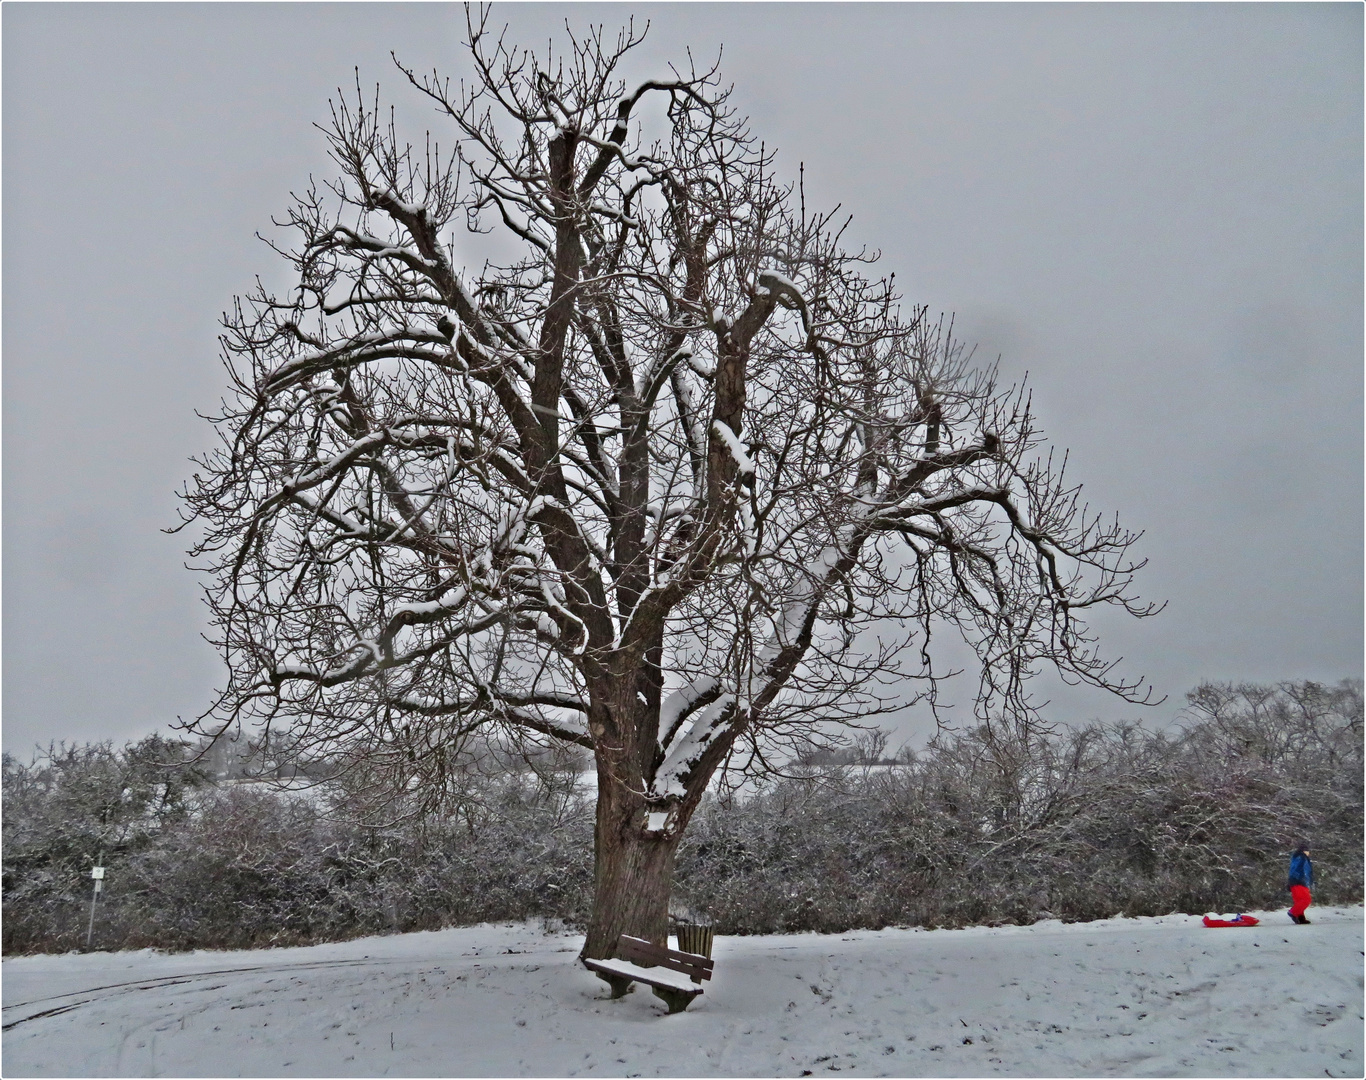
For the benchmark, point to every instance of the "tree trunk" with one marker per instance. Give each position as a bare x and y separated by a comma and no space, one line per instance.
633,873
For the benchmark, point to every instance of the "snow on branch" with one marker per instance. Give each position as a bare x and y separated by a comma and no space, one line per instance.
357,352
743,462
657,374
688,749
783,290
681,704
446,604
565,723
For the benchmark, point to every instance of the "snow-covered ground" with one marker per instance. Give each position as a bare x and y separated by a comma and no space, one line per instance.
1122,997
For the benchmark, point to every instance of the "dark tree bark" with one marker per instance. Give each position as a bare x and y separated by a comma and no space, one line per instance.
632,876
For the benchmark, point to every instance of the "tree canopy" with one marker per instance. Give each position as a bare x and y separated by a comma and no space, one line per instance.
671,476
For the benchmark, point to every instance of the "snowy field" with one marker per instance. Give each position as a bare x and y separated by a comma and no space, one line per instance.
1122,997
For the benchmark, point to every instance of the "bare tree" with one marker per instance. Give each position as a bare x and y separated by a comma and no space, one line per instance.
668,477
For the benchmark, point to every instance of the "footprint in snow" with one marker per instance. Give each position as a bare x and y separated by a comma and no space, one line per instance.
1323,1015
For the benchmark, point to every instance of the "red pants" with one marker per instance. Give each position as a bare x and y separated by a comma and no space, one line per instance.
1300,898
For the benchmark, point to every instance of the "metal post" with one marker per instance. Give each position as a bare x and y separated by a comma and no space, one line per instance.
96,872
90,933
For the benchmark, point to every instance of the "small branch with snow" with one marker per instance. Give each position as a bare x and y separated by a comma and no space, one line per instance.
688,748
744,464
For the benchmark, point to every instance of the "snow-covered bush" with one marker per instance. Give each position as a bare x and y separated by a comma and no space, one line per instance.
74,806
1107,819
244,864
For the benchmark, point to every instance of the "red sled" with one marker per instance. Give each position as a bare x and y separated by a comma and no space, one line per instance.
1237,920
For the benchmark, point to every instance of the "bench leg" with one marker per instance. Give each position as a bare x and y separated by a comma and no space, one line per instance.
620,985
677,1000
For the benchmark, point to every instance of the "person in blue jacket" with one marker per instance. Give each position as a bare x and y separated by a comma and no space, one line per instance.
1300,882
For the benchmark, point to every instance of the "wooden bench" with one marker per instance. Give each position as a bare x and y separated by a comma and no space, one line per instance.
675,977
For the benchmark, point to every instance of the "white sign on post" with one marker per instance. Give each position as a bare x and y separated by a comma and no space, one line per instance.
97,872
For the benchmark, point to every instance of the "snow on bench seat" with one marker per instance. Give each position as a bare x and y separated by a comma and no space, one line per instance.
658,976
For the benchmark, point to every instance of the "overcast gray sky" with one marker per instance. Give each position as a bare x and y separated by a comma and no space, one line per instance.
1154,211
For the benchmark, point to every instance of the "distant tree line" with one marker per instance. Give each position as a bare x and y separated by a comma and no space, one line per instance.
980,827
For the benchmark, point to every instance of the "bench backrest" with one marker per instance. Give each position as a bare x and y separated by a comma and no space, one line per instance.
639,951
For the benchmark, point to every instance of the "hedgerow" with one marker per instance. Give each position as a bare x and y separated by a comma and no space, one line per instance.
980,827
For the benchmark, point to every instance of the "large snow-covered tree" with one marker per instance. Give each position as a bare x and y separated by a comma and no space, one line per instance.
669,474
